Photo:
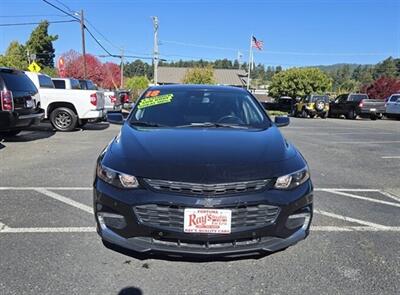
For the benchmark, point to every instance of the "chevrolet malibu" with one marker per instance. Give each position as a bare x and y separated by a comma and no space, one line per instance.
201,170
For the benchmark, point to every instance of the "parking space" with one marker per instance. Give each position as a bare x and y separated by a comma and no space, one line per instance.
48,242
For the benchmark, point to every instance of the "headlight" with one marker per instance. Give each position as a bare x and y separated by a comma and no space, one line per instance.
116,178
292,180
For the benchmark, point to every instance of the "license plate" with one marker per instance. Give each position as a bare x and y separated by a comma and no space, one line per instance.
210,221
372,110
30,103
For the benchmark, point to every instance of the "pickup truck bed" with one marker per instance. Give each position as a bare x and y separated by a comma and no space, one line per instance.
372,107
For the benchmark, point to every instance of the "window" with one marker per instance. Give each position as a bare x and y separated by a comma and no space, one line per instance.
198,106
17,81
394,98
75,84
45,82
357,97
59,84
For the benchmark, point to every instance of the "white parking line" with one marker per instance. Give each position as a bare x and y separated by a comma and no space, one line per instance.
350,219
27,188
364,142
341,193
47,230
389,195
65,200
391,157
354,228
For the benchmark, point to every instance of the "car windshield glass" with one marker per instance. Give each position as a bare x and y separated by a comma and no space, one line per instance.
16,81
394,98
90,85
324,98
198,108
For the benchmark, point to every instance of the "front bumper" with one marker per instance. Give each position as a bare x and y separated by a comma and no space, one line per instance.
143,238
15,121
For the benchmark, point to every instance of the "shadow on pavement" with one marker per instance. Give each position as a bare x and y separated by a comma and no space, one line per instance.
96,126
130,291
2,146
32,134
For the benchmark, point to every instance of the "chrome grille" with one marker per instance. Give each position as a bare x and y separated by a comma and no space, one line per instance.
171,217
206,189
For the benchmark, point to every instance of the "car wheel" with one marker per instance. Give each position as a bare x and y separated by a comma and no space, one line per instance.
11,133
63,119
373,117
351,115
324,115
304,114
312,116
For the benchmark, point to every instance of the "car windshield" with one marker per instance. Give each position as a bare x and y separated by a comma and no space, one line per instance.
198,108
394,98
358,97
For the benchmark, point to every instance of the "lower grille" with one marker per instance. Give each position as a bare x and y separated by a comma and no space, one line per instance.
171,217
206,189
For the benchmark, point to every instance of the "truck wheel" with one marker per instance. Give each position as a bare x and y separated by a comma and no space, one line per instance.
373,117
11,133
351,115
63,119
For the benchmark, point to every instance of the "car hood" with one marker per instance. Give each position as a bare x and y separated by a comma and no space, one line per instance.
203,155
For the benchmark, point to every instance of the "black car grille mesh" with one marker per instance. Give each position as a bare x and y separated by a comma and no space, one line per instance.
171,217
207,189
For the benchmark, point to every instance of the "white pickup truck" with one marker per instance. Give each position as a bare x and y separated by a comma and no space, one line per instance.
68,108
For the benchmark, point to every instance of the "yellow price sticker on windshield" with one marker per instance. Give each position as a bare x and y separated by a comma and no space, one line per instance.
155,100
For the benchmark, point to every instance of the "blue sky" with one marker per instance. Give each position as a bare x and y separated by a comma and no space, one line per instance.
295,32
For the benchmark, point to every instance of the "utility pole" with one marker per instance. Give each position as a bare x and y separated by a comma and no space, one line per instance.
155,51
122,68
83,44
250,62
239,57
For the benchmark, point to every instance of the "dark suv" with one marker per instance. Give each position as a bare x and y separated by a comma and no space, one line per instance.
18,98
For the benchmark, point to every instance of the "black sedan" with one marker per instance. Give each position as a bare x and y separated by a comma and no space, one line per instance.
201,170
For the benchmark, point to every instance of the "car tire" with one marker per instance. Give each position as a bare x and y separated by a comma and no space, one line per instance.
351,115
324,115
11,133
304,114
63,119
312,116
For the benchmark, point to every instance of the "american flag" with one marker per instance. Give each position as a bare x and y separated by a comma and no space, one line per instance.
257,43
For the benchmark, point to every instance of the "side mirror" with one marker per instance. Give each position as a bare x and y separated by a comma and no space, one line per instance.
115,118
282,121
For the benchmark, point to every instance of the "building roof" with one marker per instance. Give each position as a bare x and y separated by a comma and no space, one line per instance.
175,75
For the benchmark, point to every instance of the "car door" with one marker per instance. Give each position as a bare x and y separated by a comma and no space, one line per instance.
337,105
393,105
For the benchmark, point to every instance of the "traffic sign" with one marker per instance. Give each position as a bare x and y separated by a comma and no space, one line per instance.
34,67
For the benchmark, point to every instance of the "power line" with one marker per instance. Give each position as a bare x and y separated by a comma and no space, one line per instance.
27,24
102,35
97,41
62,10
32,15
65,6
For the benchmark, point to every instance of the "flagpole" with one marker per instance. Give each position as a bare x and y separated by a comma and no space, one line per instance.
250,58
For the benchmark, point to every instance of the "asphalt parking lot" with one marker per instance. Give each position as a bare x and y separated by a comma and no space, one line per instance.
48,243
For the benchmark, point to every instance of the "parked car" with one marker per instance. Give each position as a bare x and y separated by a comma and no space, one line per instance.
283,104
356,104
112,101
393,106
67,108
312,105
124,97
201,170
18,97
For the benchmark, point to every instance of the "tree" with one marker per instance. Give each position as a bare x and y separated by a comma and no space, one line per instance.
199,75
15,57
41,44
137,85
106,75
387,68
299,82
111,73
382,88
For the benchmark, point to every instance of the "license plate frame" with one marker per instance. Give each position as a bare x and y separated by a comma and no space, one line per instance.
207,221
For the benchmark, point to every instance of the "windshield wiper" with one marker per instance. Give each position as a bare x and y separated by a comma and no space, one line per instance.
145,124
213,125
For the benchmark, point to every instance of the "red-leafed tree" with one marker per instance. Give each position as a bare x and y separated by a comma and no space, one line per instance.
111,75
105,75
382,88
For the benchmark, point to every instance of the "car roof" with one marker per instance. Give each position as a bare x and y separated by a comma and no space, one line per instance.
12,70
196,87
